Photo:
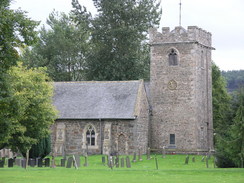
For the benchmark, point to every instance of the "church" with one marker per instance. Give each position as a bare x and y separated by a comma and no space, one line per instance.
172,111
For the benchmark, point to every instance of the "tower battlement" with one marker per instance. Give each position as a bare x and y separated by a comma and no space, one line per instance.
181,35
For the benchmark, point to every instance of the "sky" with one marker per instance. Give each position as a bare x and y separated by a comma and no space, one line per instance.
223,18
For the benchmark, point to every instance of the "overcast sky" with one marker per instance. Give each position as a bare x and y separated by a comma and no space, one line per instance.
223,18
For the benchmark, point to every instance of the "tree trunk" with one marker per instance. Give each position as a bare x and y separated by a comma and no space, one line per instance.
27,158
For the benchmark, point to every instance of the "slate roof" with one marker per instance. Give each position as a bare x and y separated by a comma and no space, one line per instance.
96,100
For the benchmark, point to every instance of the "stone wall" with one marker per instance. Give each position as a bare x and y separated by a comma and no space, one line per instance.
112,136
181,94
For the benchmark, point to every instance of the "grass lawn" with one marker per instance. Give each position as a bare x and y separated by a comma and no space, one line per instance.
172,169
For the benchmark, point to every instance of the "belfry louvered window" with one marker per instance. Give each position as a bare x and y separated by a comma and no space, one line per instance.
173,57
90,136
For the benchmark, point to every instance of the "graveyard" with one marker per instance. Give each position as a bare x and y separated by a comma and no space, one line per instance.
133,169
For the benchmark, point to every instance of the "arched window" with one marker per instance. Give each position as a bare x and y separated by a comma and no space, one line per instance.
90,136
173,57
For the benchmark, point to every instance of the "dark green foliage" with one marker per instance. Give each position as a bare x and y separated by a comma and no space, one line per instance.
62,49
235,79
118,38
41,149
16,30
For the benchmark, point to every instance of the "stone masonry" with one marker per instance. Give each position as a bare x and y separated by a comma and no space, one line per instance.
181,92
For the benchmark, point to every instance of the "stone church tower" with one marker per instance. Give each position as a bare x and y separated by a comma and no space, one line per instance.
181,89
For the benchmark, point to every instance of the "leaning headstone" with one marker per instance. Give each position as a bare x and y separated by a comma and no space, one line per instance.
32,162
39,162
148,153
69,163
193,159
77,159
75,163
203,159
47,162
117,161
63,162
187,160
103,160
128,165
134,157
1,163
122,162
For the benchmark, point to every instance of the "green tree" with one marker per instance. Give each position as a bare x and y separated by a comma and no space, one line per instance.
41,149
16,30
34,109
118,37
62,48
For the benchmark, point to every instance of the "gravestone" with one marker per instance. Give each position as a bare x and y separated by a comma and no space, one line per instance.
18,162
77,159
32,162
203,159
156,162
53,162
128,165
86,161
122,162
3,158
193,159
134,157
10,162
139,156
47,162
23,163
69,163
187,160
148,153
63,162
1,164
111,163
74,162
39,162
207,162
117,161
103,160
163,152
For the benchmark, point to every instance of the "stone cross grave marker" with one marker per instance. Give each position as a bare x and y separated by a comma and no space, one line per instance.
134,157
128,165
77,159
69,163
187,160
122,162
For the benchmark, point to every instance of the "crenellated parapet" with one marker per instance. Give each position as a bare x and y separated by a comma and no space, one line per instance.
193,34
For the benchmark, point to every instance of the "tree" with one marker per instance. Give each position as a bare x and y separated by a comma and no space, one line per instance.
118,37
16,30
62,48
34,109
41,149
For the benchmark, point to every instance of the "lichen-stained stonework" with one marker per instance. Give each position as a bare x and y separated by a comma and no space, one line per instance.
181,94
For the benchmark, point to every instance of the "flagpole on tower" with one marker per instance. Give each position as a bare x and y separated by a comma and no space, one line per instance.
180,14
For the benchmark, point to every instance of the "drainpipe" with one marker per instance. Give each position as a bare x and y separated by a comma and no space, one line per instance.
101,144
